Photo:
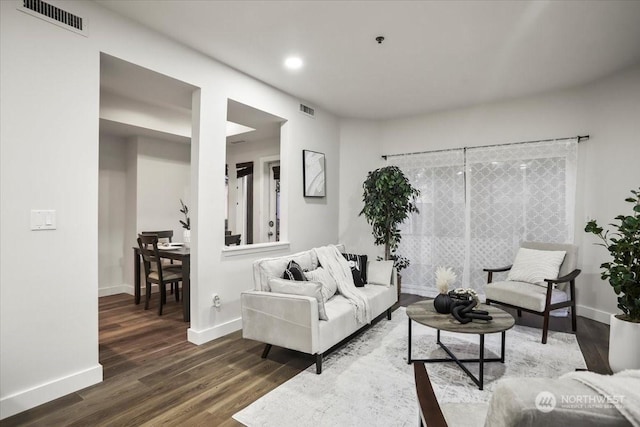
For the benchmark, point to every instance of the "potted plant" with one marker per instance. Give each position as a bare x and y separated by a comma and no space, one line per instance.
388,198
623,274
186,224
399,263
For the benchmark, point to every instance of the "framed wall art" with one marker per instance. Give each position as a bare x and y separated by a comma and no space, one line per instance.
313,174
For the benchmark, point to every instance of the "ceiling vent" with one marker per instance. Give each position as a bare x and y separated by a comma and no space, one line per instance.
307,111
54,15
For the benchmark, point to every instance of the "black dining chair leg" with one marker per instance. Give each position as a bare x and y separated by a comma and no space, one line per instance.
163,298
147,295
177,290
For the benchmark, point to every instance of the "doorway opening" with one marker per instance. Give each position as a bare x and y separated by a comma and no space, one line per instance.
144,173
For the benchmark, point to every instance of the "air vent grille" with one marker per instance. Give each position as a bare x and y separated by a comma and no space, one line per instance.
55,15
307,110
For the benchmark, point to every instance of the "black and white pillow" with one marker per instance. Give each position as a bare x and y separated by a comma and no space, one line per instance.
358,264
294,272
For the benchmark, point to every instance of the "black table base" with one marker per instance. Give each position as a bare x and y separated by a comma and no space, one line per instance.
479,381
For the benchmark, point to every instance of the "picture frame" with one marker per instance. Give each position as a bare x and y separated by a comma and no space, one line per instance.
313,174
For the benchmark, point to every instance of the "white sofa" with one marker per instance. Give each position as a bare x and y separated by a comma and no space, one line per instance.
291,321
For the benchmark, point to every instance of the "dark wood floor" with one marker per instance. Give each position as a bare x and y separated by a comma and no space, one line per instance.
153,376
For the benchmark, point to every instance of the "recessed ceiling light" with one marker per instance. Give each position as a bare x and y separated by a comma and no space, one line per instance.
293,63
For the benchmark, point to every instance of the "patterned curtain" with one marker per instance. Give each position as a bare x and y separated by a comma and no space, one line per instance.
478,204
436,235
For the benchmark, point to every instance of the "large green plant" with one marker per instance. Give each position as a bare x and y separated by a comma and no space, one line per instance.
388,198
623,272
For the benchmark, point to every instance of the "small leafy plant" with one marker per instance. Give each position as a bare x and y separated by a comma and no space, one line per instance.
186,224
399,262
623,272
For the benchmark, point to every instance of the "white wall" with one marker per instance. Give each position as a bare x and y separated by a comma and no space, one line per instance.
112,210
360,152
608,166
163,178
168,119
49,158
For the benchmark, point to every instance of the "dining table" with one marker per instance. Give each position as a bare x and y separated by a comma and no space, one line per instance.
176,253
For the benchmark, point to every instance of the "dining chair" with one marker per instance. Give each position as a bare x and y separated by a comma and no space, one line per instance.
233,239
165,236
161,275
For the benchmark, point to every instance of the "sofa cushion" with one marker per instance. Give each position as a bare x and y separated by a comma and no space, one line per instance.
380,272
533,266
306,288
358,264
322,276
522,294
268,268
294,272
343,321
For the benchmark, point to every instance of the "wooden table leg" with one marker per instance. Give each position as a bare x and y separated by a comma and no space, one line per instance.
136,275
186,289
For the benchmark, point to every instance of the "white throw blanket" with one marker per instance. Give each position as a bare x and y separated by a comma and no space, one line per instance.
332,260
622,388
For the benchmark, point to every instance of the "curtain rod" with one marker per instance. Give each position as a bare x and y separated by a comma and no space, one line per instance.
579,137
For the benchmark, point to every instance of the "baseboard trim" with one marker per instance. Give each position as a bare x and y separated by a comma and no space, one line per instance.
27,399
593,314
210,334
114,290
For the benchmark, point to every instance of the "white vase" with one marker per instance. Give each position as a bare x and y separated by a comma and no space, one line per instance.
624,345
186,238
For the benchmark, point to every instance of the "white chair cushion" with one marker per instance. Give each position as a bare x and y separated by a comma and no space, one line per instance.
523,294
168,275
533,266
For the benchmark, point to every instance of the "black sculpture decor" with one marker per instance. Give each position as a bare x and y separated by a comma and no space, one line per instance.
462,304
463,312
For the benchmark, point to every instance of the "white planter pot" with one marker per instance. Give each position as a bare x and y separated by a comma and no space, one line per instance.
624,345
186,238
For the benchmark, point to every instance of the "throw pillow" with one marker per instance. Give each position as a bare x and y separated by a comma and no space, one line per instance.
294,272
533,266
308,289
358,264
380,272
329,284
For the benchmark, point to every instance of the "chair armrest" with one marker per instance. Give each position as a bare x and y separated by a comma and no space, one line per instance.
569,277
285,320
490,271
497,270
430,412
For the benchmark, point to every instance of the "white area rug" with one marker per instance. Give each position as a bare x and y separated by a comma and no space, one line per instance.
368,382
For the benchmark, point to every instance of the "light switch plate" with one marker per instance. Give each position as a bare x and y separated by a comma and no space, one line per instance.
43,219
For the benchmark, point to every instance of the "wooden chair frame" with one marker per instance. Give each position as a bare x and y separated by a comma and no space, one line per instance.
166,234
149,256
571,278
430,413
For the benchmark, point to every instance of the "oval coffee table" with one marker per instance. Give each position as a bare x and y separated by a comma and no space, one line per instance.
424,313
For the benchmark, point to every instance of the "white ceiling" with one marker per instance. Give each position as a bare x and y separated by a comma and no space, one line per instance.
437,54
